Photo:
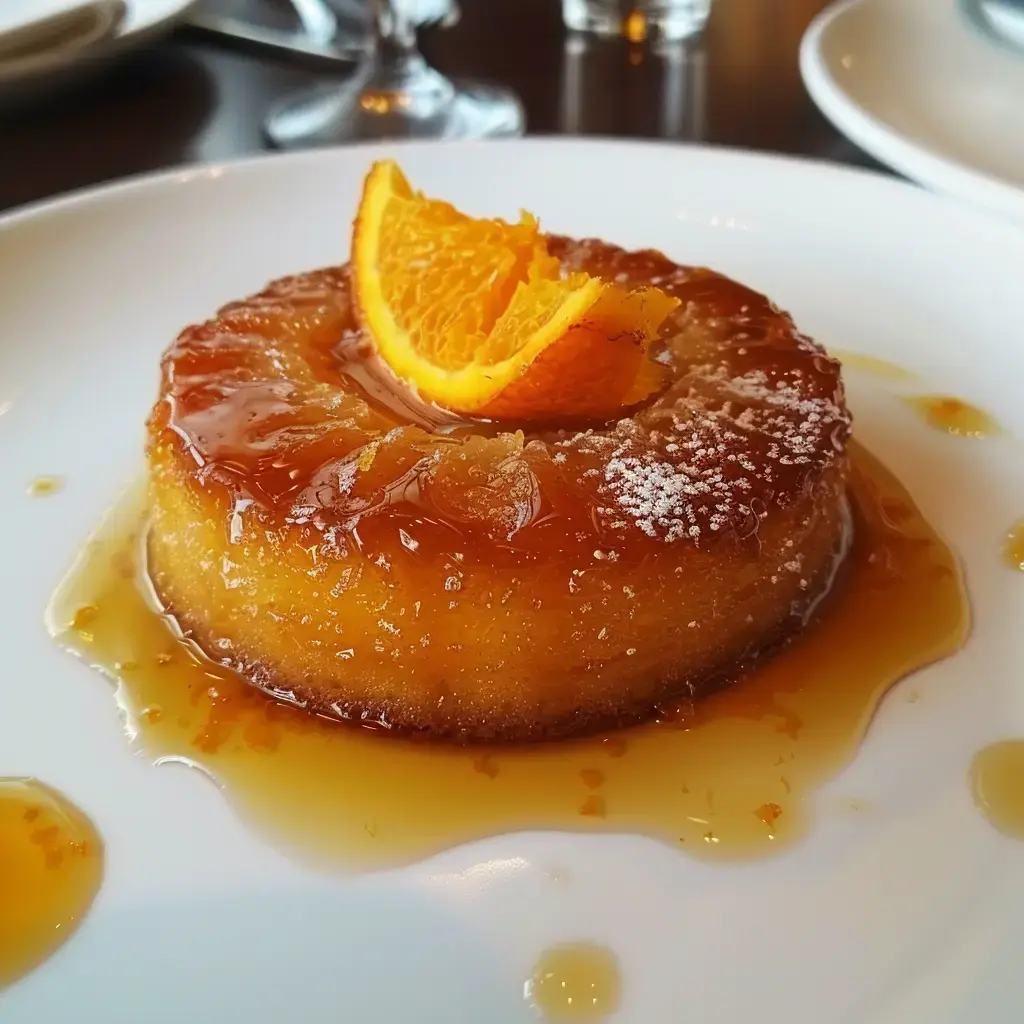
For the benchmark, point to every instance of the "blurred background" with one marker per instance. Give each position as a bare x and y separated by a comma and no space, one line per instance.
205,81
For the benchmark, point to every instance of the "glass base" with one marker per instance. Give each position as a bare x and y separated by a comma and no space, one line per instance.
331,114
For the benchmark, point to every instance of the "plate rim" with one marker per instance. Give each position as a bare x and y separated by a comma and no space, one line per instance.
252,163
125,37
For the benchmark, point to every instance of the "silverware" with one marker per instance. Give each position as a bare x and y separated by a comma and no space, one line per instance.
322,39
248,37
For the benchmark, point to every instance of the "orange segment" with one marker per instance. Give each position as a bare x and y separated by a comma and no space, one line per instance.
476,316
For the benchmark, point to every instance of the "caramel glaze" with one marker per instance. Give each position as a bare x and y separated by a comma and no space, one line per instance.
51,866
264,416
725,777
388,562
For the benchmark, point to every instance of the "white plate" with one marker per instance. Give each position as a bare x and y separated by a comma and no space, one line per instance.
144,21
911,913
920,88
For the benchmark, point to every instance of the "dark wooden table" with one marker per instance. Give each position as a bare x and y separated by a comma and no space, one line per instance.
186,100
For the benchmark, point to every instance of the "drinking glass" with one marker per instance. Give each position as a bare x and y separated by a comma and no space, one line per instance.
605,90
638,20
393,93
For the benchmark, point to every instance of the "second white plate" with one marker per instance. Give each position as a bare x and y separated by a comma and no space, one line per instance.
915,85
144,21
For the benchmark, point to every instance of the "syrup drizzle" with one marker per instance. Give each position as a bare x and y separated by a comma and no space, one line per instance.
874,366
955,416
51,867
577,981
45,486
742,762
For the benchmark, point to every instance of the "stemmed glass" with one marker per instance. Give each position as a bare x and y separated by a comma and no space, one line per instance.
393,93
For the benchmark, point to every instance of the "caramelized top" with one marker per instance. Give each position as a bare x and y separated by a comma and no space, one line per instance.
280,400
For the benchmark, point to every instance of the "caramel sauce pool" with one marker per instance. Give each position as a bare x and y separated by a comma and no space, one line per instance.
578,981
723,779
51,866
955,416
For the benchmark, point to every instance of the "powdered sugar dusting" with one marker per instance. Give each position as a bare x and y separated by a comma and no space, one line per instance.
756,412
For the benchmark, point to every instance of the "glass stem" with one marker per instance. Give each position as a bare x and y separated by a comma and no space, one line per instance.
400,82
394,35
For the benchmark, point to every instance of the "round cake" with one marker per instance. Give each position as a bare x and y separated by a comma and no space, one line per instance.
360,552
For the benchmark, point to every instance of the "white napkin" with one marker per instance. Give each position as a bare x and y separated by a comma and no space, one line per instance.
36,33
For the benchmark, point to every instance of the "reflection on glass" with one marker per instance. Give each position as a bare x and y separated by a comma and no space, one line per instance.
393,93
637,20
608,84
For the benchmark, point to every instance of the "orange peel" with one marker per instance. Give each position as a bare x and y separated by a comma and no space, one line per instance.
477,317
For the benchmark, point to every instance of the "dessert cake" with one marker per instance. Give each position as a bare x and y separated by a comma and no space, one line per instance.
485,483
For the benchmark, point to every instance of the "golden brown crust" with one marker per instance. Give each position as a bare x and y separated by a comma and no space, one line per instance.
358,551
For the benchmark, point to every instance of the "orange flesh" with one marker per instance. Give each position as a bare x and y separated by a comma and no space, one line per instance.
476,315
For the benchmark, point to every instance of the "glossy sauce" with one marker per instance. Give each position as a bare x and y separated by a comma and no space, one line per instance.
1013,546
955,416
726,778
51,866
264,421
997,784
577,981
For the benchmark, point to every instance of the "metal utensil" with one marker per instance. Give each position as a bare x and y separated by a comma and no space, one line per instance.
251,38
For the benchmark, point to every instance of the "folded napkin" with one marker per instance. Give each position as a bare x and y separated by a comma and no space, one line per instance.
35,34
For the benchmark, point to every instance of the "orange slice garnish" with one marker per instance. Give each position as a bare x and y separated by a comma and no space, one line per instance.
477,317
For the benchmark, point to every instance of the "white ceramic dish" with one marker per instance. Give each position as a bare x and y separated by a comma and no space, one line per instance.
143,21
35,37
912,912
916,85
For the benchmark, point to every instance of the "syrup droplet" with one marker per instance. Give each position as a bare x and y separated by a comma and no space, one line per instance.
1013,547
727,777
51,866
576,981
955,416
997,784
44,486
881,368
